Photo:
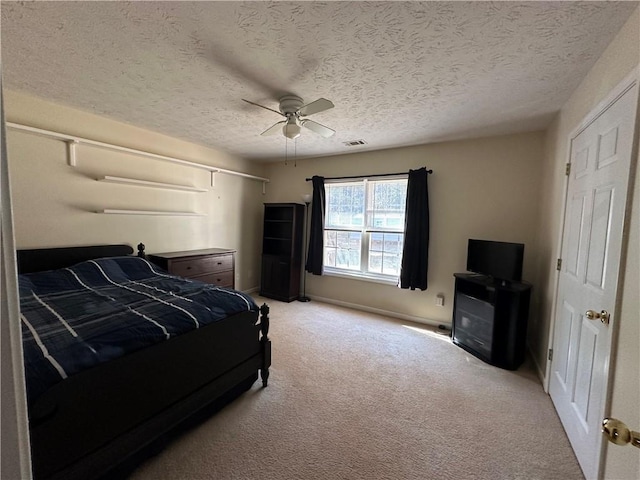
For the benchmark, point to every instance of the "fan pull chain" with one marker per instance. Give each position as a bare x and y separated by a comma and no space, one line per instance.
295,152
286,150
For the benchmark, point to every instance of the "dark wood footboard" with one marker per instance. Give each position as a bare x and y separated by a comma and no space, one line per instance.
94,420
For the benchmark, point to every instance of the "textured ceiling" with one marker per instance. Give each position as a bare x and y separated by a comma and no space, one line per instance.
399,73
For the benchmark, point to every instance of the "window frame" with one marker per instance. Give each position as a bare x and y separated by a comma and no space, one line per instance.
365,241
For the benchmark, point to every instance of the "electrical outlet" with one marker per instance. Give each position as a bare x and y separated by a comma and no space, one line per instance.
440,300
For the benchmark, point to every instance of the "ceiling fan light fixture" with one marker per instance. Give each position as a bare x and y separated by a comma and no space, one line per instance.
291,129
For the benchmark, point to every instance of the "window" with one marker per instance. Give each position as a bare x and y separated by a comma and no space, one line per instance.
364,228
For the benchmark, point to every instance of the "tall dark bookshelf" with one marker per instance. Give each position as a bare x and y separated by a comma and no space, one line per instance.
282,251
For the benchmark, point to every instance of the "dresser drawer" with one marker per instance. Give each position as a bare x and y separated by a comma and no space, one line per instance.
221,279
221,263
190,267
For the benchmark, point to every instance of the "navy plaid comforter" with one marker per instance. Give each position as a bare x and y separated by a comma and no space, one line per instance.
77,317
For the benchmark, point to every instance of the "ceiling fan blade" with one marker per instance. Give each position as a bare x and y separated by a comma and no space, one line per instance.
262,106
318,106
321,130
272,130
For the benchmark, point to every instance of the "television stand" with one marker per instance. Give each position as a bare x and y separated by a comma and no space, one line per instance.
490,318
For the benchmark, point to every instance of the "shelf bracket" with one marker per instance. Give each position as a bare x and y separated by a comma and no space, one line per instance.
213,178
71,152
264,188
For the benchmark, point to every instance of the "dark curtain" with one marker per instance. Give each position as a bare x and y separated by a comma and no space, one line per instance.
316,235
415,255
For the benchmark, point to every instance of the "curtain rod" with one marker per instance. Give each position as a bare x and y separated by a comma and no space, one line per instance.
367,176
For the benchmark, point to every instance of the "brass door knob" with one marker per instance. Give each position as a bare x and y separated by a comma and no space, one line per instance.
618,433
603,316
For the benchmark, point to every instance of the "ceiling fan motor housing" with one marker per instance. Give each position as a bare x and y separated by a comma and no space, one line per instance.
290,104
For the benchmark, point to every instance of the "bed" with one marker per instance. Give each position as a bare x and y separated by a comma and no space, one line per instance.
105,397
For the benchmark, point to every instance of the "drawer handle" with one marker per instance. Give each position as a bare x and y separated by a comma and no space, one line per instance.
188,268
219,263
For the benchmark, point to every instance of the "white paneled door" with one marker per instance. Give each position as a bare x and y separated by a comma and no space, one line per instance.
587,291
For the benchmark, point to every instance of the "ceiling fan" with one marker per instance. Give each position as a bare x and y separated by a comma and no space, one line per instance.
294,111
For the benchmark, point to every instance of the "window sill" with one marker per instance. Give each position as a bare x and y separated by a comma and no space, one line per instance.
393,281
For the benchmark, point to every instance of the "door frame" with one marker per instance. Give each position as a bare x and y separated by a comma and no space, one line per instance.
633,78
16,456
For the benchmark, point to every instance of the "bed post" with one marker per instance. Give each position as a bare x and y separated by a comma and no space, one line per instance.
141,253
265,343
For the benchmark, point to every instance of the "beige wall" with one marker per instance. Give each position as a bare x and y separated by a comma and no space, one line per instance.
483,188
55,204
620,58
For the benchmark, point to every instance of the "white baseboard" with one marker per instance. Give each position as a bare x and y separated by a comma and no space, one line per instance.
251,290
387,313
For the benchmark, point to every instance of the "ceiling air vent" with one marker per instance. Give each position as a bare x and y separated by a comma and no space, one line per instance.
355,143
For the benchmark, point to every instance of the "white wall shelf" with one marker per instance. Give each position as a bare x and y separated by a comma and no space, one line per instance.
115,211
147,183
73,141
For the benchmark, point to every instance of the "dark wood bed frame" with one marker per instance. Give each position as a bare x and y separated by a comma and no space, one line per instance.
98,422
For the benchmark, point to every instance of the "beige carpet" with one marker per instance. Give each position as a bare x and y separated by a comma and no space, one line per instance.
360,396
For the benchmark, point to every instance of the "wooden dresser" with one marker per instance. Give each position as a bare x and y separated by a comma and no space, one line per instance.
211,265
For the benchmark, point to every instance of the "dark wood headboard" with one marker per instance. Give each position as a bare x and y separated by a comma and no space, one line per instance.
41,259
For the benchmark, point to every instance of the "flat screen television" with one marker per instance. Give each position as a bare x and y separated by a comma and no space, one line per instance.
499,260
